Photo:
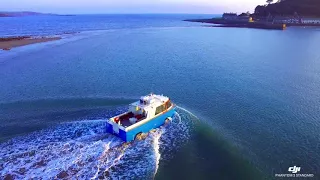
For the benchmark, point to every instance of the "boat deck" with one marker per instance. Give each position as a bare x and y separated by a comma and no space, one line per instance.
124,119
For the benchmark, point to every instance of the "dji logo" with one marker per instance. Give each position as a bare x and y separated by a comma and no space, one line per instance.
294,173
294,169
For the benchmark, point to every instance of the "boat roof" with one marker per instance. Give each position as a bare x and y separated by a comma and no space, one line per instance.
152,100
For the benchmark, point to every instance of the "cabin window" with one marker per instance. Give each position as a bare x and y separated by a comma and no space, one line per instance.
160,109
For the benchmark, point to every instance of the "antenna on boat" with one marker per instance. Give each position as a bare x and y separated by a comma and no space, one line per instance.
152,85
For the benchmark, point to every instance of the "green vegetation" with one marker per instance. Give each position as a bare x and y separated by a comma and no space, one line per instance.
289,8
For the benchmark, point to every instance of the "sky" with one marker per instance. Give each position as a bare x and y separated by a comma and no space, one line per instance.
131,6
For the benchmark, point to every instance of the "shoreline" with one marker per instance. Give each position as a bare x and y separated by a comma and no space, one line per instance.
7,43
259,24
241,24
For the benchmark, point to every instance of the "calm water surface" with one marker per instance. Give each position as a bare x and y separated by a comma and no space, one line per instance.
250,101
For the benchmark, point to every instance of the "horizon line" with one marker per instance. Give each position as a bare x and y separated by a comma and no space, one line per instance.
114,13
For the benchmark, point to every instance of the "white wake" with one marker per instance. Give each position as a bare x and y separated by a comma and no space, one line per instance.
82,150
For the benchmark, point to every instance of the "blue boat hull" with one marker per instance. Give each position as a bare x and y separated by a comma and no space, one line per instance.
144,128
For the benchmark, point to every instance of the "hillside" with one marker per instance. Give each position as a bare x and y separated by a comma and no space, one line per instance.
22,13
289,7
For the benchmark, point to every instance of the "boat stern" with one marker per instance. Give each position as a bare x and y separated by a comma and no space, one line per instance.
115,129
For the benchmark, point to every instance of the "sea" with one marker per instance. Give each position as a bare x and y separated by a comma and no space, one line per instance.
248,100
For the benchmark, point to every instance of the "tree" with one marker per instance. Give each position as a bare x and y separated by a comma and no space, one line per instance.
269,1
299,8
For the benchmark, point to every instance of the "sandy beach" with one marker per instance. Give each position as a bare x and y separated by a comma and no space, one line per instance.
7,43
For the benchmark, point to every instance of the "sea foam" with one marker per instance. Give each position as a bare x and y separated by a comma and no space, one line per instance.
82,150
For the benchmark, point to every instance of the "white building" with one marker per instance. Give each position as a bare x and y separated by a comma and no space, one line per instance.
286,20
310,20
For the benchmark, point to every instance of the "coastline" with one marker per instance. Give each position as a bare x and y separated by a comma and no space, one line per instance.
240,24
7,43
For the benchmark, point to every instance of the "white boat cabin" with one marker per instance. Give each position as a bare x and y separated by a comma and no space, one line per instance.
147,108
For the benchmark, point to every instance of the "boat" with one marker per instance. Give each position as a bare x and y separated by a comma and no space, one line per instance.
149,112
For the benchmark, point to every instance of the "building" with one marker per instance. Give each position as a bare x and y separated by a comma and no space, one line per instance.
310,20
286,20
244,18
229,16
235,18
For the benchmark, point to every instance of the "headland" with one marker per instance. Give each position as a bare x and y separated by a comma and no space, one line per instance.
277,15
26,13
